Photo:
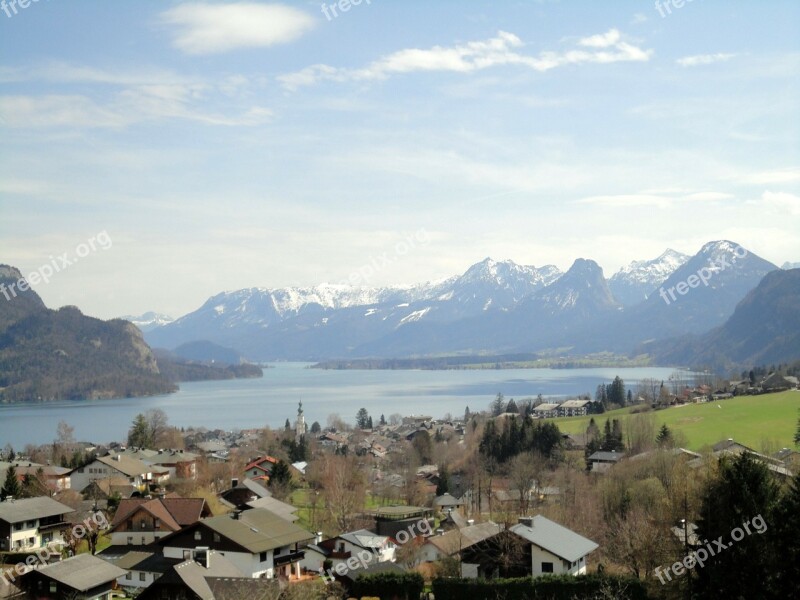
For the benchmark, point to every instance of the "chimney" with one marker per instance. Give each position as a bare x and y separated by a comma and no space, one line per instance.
236,514
202,555
234,482
118,458
318,537
470,521
527,521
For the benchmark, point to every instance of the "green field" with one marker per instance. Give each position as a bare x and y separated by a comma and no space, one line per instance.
750,420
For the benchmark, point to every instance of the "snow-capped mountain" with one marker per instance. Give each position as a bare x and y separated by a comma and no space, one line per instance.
634,283
149,320
790,265
495,306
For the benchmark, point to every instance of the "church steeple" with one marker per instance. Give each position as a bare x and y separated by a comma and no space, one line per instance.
300,423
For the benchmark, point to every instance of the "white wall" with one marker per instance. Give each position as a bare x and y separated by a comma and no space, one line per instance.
560,566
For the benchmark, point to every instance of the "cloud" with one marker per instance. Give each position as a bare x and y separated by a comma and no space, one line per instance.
788,175
703,59
654,198
504,49
639,18
213,29
782,202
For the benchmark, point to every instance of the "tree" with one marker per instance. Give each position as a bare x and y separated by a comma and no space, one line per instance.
287,426
498,405
11,486
369,423
138,434
664,437
315,427
512,407
443,486
616,392
362,418
423,447
466,414
743,491
343,489
280,480
382,422
525,472
786,536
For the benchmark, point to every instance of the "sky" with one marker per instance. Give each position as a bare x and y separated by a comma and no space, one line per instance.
160,152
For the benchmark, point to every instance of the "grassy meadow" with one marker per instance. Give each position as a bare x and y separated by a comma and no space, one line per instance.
762,422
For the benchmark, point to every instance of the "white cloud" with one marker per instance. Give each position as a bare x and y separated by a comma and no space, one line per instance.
788,175
211,29
504,49
639,18
703,59
655,198
782,202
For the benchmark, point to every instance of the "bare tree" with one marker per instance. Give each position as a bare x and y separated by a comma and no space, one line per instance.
525,471
343,489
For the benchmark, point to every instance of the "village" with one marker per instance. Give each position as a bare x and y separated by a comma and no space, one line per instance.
412,502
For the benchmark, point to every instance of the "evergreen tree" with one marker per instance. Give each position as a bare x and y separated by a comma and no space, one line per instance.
630,397
498,405
423,446
139,433
280,475
11,486
786,541
382,422
287,426
444,481
466,414
369,423
616,392
664,437
315,427
512,407
743,491
362,418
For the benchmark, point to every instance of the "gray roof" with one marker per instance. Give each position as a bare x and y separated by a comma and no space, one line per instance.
258,530
555,538
28,509
83,572
365,539
601,455
453,541
283,510
195,575
575,404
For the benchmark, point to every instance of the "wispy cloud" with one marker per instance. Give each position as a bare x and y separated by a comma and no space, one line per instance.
654,198
704,59
504,49
213,29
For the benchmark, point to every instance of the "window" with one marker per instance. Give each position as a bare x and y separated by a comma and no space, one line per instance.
262,557
53,587
157,523
547,567
130,540
142,576
144,523
217,538
128,575
198,536
130,524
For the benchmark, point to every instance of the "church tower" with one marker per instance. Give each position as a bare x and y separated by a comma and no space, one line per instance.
300,423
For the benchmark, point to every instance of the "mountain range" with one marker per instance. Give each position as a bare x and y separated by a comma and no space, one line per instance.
495,307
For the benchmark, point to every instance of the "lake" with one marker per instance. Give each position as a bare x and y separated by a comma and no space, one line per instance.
250,403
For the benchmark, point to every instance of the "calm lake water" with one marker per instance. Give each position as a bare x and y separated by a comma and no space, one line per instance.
247,403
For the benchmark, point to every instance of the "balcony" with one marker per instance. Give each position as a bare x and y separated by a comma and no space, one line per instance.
285,559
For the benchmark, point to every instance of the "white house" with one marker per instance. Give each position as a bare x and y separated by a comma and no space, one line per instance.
369,546
31,523
257,541
452,542
135,471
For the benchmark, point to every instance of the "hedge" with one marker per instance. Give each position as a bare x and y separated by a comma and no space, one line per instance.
549,587
389,586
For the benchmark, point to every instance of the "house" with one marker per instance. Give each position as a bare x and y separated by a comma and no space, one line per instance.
282,509
730,447
546,410
260,467
143,568
601,461
179,463
535,546
391,520
573,408
134,470
446,501
258,542
31,523
55,479
454,541
82,577
103,489
239,494
373,548
776,383
142,521
207,575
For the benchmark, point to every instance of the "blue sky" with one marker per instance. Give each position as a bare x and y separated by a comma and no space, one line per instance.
229,145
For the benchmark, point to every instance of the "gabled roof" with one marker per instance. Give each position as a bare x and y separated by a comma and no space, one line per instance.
363,538
126,465
255,530
82,572
259,463
283,510
574,404
446,500
29,509
458,539
555,538
150,562
612,456
174,513
196,576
